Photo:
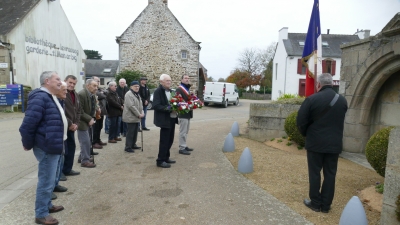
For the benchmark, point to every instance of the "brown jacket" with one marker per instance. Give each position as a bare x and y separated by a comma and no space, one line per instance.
72,111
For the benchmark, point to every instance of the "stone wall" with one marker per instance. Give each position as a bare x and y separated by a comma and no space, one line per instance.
256,96
153,44
366,66
268,120
392,179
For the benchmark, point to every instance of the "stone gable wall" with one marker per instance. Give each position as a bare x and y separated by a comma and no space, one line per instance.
153,44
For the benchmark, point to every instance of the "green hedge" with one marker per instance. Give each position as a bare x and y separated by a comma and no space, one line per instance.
376,150
292,131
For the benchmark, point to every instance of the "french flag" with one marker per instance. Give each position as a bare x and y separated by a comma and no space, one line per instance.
312,53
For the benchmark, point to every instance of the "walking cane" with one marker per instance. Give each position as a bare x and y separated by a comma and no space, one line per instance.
141,135
91,142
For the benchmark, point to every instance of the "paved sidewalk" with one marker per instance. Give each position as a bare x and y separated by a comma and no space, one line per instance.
202,188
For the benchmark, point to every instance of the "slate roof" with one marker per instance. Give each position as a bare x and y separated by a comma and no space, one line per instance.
12,12
293,47
96,67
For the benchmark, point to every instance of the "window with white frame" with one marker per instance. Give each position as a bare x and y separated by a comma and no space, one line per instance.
184,54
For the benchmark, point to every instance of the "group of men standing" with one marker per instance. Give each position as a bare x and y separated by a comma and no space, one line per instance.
55,111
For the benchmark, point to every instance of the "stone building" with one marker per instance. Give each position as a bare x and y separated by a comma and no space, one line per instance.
370,81
156,43
36,36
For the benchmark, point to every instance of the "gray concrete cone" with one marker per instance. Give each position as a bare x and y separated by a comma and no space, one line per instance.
235,129
353,213
245,162
229,144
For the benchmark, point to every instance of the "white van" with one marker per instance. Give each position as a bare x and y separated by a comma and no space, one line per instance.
221,93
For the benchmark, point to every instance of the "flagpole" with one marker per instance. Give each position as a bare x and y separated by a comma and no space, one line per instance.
315,71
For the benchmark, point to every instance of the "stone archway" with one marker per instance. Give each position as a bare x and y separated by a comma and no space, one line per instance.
366,67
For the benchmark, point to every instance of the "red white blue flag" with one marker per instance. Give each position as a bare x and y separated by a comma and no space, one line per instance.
312,53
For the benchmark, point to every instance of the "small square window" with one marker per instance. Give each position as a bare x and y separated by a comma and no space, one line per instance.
101,81
184,54
301,43
107,70
325,44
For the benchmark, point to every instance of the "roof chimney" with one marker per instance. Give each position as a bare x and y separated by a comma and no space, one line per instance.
367,33
159,1
327,32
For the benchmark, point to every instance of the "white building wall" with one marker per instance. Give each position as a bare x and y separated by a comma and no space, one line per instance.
45,41
278,71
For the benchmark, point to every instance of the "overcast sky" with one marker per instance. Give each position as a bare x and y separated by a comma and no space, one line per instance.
225,27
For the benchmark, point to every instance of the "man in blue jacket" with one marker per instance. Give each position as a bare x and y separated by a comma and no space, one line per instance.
321,120
43,131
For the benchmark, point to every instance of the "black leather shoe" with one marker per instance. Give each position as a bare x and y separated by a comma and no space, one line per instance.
63,177
189,149
60,188
170,161
53,196
163,165
307,203
146,129
94,153
325,210
136,147
130,150
72,173
184,152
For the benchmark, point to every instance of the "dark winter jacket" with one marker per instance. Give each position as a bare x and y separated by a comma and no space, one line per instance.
72,111
102,98
324,134
185,97
121,92
114,104
42,125
162,114
144,93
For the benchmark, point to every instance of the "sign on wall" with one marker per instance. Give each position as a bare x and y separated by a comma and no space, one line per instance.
43,47
12,94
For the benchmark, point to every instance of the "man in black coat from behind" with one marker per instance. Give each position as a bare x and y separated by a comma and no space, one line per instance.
166,119
321,120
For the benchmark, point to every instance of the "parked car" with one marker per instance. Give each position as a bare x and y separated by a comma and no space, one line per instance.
221,93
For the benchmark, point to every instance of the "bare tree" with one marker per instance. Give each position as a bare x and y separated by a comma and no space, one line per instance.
266,55
221,80
249,61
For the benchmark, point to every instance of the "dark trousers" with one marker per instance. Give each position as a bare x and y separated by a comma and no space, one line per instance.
113,132
70,147
131,135
122,128
322,196
166,141
97,129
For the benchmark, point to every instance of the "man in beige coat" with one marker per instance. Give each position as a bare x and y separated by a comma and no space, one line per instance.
131,115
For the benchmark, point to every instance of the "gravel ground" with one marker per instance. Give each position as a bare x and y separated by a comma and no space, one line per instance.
282,171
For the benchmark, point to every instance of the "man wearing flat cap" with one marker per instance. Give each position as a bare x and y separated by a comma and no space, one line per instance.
131,115
144,93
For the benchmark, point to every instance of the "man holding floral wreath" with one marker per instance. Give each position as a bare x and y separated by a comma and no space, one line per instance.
165,118
184,118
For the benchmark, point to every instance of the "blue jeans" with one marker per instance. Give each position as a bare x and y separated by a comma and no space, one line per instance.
143,122
114,128
107,125
47,169
59,169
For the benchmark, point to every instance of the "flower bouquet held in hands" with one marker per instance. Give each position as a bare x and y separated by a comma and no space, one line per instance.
195,102
178,104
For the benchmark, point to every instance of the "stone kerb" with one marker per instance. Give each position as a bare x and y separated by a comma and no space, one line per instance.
392,179
267,120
